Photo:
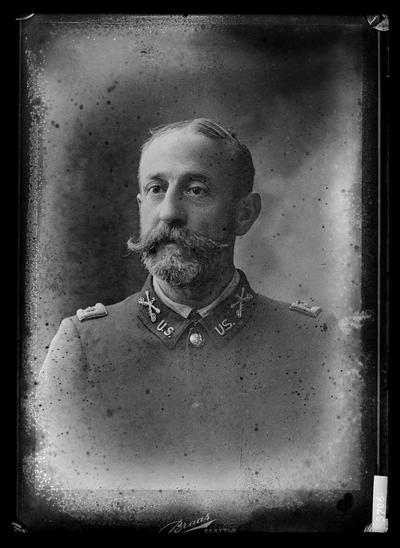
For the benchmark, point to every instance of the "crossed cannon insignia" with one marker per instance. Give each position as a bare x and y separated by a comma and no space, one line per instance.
153,310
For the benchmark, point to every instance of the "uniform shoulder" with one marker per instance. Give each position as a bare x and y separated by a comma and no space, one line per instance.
295,311
101,313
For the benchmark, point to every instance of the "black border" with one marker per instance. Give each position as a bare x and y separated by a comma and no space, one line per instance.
370,265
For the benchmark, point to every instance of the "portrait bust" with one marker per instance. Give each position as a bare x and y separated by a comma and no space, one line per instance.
196,381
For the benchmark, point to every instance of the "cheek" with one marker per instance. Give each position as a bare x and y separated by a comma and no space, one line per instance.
219,224
148,218
227,226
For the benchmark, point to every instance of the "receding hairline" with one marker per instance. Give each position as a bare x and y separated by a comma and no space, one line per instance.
215,132
189,130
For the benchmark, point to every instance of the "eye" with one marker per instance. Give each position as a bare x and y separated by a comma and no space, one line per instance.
197,189
155,188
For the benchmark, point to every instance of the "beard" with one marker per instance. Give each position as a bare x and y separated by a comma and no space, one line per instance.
177,255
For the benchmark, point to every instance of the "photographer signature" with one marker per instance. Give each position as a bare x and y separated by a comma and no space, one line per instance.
181,526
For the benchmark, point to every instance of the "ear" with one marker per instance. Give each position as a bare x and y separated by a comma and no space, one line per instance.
139,199
247,212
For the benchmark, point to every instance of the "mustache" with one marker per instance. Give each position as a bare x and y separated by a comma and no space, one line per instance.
165,233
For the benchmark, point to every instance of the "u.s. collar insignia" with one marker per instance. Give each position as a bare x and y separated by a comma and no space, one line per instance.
153,310
240,300
96,311
304,308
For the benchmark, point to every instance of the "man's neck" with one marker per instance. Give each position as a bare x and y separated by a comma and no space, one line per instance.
199,295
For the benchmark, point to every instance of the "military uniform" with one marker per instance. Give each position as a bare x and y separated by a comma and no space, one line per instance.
136,396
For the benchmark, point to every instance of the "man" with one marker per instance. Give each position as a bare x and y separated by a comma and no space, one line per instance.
195,382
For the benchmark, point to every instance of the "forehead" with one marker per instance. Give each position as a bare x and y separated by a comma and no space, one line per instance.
184,150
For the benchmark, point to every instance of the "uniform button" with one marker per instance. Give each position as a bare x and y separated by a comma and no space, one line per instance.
196,339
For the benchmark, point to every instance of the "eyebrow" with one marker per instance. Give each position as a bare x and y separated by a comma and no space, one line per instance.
189,175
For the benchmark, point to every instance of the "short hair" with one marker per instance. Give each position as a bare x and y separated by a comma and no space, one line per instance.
211,129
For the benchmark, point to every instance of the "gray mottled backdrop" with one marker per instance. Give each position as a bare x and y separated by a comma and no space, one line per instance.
289,87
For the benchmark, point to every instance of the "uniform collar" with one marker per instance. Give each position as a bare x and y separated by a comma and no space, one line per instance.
184,310
220,325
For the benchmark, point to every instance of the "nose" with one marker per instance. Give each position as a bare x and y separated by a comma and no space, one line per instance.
172,208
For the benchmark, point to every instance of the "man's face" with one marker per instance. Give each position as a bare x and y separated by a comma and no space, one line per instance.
188,180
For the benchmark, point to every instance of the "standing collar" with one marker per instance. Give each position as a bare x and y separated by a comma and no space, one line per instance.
221,323
184,310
